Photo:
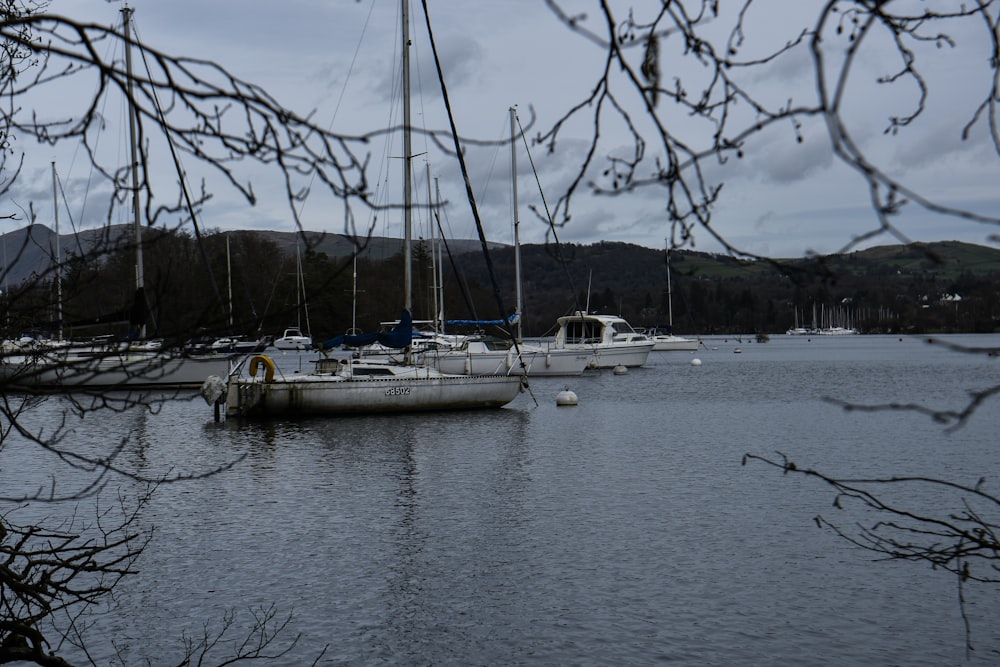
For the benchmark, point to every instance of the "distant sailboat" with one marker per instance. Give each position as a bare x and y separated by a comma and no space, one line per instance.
668,342
294,338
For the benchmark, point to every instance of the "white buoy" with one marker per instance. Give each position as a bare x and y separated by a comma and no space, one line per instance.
696,362
620,370
737,351
566,397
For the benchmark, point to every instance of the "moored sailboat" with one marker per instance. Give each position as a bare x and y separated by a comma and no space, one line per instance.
483,354
338,386
347,385
106,364
668,342
294,338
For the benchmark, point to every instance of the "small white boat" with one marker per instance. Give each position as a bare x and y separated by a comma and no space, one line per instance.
239,345
671,343
293,339
609,340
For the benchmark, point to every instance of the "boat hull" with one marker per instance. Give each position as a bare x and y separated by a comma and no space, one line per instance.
675,344
631,355
537,361
293,343
132,370
334,395
558,363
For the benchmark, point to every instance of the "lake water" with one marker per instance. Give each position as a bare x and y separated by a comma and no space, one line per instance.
623,530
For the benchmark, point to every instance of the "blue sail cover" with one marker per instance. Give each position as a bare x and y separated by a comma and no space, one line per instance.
399,336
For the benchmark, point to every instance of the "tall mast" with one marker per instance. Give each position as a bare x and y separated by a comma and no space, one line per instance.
439,273
229,280
436,287
354,297
298,286
407,163
670,295
59,296
140,281
517,239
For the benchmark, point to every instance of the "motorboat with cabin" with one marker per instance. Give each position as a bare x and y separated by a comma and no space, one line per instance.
610,340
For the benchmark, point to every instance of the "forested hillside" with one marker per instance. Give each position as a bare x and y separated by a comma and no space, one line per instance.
946,286
939,287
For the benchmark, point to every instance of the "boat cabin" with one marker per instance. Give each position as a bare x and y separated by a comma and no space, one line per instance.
584,329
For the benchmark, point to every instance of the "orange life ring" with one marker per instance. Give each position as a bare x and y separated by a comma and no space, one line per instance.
268,366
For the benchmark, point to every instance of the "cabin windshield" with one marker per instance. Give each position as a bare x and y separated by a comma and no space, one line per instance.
623,327
583,331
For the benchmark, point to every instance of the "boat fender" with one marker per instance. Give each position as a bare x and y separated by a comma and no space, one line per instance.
212,389
268,366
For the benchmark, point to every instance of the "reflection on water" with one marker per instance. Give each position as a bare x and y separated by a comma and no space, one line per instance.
620,531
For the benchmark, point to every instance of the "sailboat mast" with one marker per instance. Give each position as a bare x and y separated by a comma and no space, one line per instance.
518,305
55,217
439,272
140,280
407,162
298,286
670,295
435,285
354,296
229,280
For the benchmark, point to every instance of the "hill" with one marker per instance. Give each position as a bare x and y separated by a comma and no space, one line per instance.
944,286
887,288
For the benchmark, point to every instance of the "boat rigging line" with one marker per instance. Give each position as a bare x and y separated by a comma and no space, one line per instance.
548,217
472,198
127,12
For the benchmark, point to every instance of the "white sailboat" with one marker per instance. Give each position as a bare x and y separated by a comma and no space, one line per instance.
294,338
668,342
139,364
347,386
483,354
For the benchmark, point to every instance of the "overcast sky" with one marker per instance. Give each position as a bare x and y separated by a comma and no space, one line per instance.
784,198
